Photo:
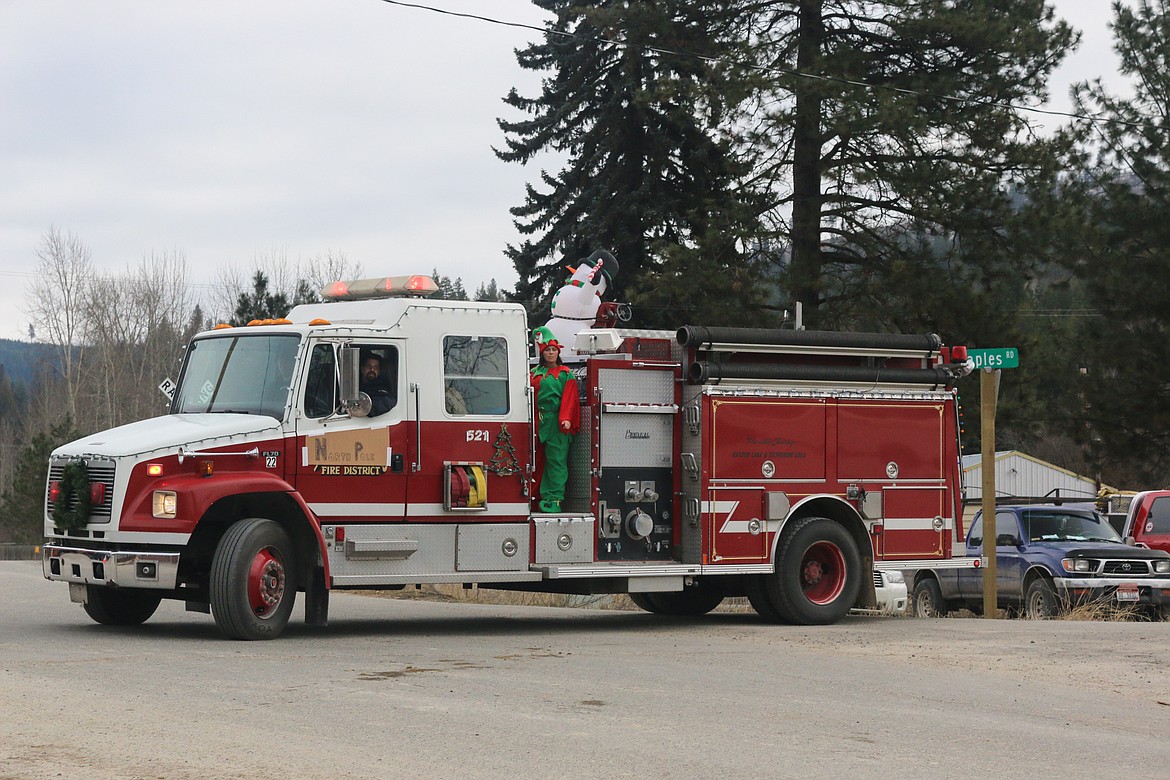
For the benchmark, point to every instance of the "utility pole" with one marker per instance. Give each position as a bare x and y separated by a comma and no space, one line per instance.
988,395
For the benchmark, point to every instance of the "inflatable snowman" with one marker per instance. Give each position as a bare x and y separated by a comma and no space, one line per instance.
574,307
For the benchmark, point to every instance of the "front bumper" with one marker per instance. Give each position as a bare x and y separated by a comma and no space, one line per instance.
1149,592
117,568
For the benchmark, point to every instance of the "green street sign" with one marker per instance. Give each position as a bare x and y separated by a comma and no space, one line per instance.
1004,357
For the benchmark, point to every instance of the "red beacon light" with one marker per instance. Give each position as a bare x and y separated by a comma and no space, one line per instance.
335,291
421,285
414,286
959,353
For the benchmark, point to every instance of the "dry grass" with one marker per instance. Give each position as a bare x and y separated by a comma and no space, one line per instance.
454,592
1096,611
475,595
1106,612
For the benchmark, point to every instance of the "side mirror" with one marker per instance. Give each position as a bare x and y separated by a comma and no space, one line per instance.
348,366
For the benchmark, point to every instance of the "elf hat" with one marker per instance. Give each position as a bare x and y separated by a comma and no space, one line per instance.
544,338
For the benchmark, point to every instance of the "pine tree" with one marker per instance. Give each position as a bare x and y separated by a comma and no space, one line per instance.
260,304
1122,256
450,288
22,505
892,152
490,292
650,175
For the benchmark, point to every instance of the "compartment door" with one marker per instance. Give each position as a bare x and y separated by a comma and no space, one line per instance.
918,522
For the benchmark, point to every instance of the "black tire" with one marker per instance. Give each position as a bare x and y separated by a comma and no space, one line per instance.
118,607
758,598
253,580
928,599
690,602
818,573
1040,601
644,602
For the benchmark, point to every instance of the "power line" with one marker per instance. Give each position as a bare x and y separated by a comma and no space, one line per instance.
766,68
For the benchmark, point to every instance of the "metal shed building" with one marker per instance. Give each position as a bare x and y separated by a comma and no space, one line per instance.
1018,475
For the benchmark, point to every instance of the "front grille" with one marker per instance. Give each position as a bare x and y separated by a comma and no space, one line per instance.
99,471
1126,568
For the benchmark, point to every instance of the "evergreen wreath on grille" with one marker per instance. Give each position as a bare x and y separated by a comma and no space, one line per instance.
74,486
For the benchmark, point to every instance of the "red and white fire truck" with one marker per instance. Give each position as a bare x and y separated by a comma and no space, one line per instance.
781,465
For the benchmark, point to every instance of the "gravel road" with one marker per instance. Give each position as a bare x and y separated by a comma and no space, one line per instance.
398,688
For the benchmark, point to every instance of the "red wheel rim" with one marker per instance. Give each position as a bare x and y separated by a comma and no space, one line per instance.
266,582
822,573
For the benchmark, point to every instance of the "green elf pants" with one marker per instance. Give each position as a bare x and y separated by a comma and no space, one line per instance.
556,471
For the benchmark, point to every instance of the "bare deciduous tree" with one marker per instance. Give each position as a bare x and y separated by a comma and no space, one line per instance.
298,281
56,297
135,326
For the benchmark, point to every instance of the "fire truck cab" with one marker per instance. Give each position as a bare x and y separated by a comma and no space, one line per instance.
783,466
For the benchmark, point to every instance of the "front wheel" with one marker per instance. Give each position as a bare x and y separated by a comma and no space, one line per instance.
817,578
1040,602
253,580
116,607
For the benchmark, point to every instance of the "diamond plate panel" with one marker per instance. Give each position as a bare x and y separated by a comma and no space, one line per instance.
485,547
578,489
435,553
629,386
564,540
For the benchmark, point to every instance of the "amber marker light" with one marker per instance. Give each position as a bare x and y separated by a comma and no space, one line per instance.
154,470
206,468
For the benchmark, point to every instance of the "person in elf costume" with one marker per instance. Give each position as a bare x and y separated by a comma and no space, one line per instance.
558,418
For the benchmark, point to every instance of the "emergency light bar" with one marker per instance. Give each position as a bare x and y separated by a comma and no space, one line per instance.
386,287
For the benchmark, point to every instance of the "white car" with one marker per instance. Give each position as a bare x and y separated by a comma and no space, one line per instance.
892,596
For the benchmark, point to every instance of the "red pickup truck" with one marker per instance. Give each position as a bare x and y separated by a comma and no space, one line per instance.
1147,522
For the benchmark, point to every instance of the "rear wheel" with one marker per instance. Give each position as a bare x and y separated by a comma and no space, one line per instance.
690,602
1040,602
928,599
253,580
757,596
817,575
644,602
116,607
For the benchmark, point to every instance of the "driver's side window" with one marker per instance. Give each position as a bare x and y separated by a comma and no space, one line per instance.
975,537
321,390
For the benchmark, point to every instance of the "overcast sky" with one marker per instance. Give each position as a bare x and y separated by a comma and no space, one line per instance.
234,130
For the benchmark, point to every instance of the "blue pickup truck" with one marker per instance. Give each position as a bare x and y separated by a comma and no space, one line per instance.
1049,558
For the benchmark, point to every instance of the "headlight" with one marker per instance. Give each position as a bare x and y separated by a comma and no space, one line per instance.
164,504
893,575
1081,565
1162,567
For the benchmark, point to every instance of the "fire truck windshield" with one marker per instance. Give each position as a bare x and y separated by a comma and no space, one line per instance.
245,374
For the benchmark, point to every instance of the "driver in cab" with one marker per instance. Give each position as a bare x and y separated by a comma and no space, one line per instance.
375,385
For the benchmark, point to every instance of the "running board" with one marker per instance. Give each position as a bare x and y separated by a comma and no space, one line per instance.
606,570
928,563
